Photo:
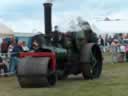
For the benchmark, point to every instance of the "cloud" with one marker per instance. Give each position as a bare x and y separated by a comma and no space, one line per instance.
20,13
122,14
25,25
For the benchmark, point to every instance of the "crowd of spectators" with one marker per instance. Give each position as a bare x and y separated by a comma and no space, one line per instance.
116,46
9,55
10,49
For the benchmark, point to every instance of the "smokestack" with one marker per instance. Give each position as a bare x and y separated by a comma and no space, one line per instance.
48,17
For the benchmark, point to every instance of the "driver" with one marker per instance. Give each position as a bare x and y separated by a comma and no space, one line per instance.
38,48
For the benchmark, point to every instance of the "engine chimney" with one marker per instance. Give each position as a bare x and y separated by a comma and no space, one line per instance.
48,17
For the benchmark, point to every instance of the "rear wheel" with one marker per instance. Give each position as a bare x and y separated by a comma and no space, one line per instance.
92,69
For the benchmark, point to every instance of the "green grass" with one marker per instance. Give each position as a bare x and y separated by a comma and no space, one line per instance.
113,82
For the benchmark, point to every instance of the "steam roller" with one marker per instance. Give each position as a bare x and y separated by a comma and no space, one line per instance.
69,53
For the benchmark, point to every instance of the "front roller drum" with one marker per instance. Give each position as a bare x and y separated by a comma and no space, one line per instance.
36,81
34,72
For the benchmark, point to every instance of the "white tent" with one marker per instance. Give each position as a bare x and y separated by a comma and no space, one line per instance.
103,27
5,31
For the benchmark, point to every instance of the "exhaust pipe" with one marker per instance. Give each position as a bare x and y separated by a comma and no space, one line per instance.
48,17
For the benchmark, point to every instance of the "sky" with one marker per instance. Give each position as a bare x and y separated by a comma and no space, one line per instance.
28,15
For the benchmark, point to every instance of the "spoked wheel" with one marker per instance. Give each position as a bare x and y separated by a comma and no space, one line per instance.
93,69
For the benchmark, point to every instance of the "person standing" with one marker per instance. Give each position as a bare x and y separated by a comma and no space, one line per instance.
126,50
115,49
4,48
122,53
14,56
101,43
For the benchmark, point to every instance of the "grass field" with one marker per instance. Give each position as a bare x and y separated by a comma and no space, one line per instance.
113,82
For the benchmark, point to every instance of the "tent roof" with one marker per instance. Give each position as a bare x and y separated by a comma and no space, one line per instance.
5,30
110,26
